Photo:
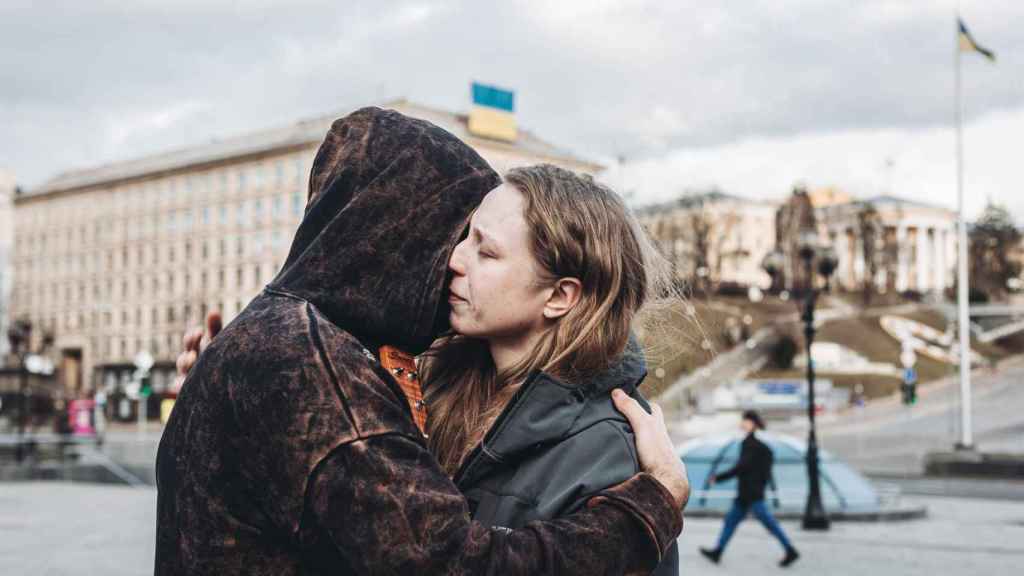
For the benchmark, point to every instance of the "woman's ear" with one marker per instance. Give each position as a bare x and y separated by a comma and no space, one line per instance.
564,295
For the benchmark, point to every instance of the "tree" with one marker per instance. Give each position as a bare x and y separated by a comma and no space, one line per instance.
869,223
792,219
993,240
710,223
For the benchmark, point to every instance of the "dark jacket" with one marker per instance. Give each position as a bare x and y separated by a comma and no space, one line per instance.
753,470
555,446
291,451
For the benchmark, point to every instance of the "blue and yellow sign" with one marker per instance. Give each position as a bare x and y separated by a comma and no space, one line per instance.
493,113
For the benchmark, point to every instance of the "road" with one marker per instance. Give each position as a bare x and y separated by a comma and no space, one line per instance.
68,529
887,438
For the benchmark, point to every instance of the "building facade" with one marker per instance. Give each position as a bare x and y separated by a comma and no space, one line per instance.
914,246
714,237
724,239
124,258
6,246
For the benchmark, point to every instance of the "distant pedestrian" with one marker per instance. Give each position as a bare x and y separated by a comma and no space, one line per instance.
753,471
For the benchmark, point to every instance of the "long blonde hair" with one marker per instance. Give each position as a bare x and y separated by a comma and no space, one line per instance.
578,228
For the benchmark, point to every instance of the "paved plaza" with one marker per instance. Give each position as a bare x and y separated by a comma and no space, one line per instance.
57,529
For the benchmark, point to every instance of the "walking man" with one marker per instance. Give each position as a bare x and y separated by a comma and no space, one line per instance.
753,471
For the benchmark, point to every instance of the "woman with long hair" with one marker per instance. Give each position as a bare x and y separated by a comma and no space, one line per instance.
546,288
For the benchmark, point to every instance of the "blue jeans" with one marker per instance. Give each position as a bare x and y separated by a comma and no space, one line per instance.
738,512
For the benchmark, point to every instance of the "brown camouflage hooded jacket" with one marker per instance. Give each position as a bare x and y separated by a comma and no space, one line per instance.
291,451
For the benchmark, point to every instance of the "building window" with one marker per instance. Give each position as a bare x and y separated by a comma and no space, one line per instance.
238,278
277,208
222,214
297,204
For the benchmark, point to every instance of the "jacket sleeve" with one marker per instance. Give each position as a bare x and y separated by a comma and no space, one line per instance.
745,464
388,508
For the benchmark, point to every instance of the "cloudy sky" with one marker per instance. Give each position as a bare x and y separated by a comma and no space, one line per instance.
747,96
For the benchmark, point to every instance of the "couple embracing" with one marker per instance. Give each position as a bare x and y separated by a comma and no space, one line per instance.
300,443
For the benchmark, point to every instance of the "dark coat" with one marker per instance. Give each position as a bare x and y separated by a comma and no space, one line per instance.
291,451
555,446
753,470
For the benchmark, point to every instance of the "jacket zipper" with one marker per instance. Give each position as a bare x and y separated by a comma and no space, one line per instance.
477,453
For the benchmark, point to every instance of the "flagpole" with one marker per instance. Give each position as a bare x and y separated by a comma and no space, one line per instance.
966,432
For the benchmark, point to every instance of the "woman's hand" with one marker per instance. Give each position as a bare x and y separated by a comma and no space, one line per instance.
654,447
193,343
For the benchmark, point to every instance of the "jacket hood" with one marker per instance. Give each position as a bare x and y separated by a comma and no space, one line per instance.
389,197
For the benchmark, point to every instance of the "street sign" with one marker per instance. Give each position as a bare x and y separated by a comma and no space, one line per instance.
908,357
910,375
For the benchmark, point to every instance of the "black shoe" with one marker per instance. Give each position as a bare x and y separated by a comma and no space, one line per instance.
712,554
791,556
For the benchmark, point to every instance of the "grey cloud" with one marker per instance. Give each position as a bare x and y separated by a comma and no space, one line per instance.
635,79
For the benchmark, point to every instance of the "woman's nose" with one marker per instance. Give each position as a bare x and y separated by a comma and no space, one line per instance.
455,263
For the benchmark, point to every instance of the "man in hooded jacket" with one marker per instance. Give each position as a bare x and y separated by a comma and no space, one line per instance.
292,451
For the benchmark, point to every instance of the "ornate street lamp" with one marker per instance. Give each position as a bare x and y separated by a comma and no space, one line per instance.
20,337
773,264
815,517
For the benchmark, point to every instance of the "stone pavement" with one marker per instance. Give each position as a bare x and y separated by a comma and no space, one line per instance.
50,528
960,536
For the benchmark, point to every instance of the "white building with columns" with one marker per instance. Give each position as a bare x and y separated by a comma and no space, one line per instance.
915,250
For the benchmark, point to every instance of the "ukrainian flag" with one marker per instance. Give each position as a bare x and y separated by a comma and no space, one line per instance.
493,113
967,43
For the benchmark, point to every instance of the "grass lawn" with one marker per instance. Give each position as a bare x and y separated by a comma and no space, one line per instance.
676,346
865,335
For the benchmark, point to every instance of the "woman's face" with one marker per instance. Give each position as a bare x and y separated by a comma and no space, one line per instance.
495,292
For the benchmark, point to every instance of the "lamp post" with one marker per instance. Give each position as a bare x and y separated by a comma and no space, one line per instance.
20,337
809,251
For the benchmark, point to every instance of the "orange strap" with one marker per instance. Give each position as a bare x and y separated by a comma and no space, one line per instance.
402,367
